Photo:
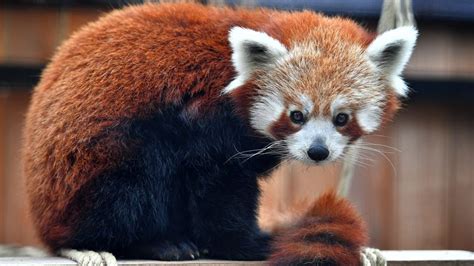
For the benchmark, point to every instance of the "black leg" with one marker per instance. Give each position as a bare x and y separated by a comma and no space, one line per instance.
224,218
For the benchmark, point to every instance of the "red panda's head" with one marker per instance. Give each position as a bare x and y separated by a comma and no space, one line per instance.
318,95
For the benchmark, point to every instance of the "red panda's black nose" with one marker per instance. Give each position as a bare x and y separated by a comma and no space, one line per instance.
318,152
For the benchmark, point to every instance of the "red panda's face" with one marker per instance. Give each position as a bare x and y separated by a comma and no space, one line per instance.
317,97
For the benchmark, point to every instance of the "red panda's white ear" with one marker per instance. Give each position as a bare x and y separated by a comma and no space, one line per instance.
390,52
251,50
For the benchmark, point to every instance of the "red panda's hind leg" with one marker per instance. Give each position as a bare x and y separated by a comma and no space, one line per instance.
331,233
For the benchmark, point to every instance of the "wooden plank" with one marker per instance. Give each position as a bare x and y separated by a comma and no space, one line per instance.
30,35
394,257
78,17
443,52
18,225
461,181
422,179
429,257
3,29
55,261
3,188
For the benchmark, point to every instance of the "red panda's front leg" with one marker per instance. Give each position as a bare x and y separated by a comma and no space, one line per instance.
331,233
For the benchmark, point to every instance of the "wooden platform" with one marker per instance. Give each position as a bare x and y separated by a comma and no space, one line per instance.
394,257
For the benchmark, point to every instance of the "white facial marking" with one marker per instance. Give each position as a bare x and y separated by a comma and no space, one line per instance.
266,111
251,50
314,130
390,52
369,118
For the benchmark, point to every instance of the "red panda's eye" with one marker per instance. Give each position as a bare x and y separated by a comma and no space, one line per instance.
341,119
297,117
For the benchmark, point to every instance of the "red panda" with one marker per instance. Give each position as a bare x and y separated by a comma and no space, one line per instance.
150,127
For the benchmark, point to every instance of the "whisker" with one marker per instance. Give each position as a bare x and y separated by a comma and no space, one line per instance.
381,153
259,153
379,145
358,161
248,154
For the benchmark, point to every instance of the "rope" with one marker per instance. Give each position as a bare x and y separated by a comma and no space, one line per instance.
396,13
372,257
89,258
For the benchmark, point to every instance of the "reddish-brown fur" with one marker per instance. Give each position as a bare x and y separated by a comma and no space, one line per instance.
283,127
352,129
331,231
391,107
81,96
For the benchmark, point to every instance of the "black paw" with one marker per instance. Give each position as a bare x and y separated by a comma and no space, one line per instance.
183,250
166,250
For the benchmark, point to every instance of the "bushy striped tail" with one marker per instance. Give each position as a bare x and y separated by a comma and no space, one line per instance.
331,233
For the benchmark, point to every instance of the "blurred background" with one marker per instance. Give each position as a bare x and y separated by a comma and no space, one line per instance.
415,192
